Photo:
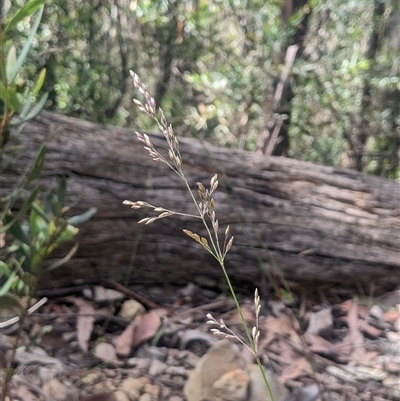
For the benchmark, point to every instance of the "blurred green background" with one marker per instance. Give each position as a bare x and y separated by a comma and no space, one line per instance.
314,80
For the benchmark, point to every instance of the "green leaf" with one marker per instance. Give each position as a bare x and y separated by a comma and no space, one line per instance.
14,72
37,109
28,9
39,210
25,109
39,82
11,63
65,259
49,206
37,164
4,269
7,301
69,232
82,218
3,92
37,223
13,100
19,234
62,187
23,209
7,285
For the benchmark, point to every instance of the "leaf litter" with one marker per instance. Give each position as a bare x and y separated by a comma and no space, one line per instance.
345,350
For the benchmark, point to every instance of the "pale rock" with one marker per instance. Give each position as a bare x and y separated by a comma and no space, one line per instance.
133,387
130,309
232,386
146,397
121,396
176,371
153,390
92,378
156,367
139,363
190,359
159,353
175,398
102,294
258,390
221,358
308,393
59,391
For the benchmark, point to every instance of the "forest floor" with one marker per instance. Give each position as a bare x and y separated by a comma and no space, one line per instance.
93,343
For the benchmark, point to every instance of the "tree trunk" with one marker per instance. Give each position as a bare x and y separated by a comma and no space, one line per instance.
274,138
318,224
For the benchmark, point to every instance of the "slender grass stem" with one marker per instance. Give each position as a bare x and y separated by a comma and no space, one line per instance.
206,213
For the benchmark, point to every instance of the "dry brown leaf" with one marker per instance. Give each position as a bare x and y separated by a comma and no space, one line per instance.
123,343
368,329
84,323
106,353
146,327
52,341
295,370
354,339
275,327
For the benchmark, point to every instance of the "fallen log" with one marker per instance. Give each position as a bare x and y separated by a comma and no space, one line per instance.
318,224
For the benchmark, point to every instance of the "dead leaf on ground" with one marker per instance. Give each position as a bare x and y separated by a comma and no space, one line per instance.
321,346
123,343
106,353
52,340
84,322
295,370
275,327
354,339
146,327
319,321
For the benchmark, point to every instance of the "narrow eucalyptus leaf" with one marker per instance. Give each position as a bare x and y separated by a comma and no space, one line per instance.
28,9
27,204
39,82
13,99
18,233
38,108
37,164
65,259
62,187
11,63
26,48
7,285
82,218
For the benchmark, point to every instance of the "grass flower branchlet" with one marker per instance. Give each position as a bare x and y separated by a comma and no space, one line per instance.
205,207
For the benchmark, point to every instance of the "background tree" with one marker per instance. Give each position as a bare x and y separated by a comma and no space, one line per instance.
217,68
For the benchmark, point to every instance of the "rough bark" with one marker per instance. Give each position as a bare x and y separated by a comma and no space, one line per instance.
319,224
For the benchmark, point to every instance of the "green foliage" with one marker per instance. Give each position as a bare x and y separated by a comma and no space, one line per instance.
17,101
214,66
30,228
